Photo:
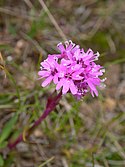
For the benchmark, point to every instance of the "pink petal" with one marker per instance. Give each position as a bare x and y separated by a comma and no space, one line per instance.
96,92
45,64
92,93
47,81
57,55
55,79
65,87
73,88
76,77
96,81
70,45
44,73
60,84
61,47
77,54
86,57
91,85
77,67
75,48
93,88
65,62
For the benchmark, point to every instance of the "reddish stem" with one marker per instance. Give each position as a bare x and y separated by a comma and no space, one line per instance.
51,104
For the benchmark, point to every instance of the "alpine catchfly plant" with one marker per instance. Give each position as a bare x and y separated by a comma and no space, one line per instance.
73,71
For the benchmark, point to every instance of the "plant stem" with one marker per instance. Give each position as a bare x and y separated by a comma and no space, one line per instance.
51,104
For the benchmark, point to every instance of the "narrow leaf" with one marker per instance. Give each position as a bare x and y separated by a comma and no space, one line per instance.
8,128
1,161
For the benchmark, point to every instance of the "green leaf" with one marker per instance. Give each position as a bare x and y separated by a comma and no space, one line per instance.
3,144
8,128
4,46
1,161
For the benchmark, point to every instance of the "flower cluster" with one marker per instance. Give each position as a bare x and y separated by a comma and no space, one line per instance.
73,70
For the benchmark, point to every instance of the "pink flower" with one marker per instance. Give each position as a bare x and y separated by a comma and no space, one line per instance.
68,74
73,70
48,71
68,49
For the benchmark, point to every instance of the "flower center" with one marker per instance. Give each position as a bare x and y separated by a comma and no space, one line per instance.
53,72
68,76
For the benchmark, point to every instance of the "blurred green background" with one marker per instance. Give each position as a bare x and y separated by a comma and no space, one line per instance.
86,133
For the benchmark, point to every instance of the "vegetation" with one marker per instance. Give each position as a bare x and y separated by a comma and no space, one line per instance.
85,133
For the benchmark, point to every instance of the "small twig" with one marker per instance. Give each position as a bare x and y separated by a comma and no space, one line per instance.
119,148
2,64
29,3
95,28
53,20
35,43
93,163
111,44
64,162
46,162
17,14
106,163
